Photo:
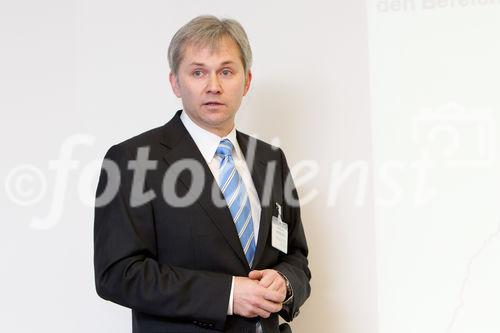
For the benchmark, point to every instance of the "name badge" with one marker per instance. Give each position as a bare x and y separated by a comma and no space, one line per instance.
279,233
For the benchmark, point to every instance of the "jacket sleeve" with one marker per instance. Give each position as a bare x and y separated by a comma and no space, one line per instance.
294,264
127,271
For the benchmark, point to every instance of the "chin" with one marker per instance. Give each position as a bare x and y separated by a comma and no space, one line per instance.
216,117
218,121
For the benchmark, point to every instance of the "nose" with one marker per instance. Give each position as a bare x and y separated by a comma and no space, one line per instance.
213,84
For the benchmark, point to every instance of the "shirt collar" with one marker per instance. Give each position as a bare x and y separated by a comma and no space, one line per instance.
207,142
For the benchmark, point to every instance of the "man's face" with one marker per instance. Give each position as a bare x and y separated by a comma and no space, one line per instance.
211,84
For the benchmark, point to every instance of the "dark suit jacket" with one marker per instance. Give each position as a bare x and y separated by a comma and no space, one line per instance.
173,265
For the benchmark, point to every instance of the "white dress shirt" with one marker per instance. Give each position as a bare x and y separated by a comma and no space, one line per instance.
207,143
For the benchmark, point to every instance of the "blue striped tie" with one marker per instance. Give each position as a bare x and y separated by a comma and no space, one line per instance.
236,196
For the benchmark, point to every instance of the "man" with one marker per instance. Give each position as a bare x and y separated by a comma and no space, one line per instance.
204,233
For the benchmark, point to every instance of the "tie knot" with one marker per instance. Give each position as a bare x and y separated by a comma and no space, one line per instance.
225,148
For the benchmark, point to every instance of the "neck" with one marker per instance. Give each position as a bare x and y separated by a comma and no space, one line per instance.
220,131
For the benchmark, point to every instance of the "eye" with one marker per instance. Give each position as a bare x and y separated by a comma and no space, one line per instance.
198,73
226,72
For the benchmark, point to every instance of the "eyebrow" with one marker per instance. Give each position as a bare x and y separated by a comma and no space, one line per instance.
227,62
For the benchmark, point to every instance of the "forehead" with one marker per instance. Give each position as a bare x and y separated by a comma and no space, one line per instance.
224,50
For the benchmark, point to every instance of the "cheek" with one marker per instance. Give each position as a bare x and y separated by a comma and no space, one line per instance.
189,95
237,90
189,88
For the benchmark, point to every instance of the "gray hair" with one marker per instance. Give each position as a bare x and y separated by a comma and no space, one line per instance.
208,31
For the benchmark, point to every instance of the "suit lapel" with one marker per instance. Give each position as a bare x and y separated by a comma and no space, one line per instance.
182,146
257,166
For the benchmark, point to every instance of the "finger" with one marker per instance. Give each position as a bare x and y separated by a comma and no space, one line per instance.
282,292
261,313
277,285
254,311
267,280
269,306
256,275
273,296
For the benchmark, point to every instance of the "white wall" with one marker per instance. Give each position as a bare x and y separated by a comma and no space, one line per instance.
434,85
340,85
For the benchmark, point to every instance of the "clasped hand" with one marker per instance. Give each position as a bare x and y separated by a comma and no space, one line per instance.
259,294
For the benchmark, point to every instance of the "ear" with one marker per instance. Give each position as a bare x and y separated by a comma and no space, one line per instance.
247,82
174,82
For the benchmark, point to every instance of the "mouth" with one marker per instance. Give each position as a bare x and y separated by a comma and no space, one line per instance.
213,103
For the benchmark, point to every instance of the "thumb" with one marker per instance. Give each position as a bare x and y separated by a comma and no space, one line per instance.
255,275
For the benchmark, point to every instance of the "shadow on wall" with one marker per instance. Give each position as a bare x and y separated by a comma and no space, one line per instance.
272,111
312,126
281,111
